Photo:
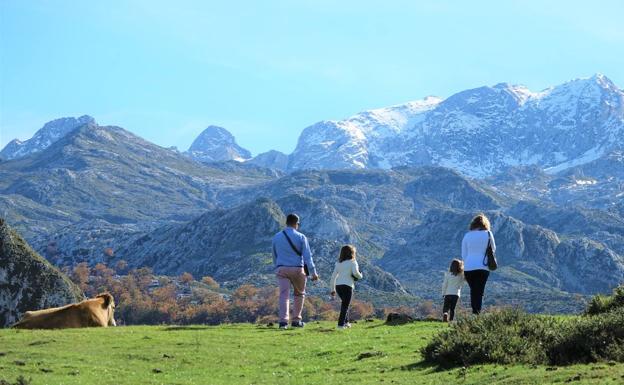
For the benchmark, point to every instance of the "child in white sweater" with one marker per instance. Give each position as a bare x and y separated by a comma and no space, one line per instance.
343,280
451,288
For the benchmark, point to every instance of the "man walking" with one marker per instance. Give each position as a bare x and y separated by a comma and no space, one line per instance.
291,256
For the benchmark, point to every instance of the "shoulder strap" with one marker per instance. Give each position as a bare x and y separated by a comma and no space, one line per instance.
489,245
292,244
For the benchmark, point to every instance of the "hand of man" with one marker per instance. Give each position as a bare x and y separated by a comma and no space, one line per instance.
315,277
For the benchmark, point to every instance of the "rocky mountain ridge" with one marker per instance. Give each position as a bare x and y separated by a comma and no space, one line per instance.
106,172
216,144
44,137
478,132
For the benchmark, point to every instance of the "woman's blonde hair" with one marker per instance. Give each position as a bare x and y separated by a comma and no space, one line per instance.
480,222
346,253
457,267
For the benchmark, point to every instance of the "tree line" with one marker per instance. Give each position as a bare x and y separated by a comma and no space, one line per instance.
145,298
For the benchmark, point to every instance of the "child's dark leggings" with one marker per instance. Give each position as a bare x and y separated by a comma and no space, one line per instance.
345,292
450,301
476,280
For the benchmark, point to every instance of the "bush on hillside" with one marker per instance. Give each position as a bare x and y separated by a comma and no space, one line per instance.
590,339
513,336
505,336
602,303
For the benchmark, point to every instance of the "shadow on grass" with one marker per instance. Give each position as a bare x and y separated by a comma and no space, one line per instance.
403,323
186,328
423,365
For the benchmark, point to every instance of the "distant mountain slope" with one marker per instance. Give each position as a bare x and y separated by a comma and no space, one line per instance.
216,144
407,222
478,132
233,246
271,159
596,184
109,173
539,268
48,134
27,281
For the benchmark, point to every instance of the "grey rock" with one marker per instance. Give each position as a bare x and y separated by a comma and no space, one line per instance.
271,159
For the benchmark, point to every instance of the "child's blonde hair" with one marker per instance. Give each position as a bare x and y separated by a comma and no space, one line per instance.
457,266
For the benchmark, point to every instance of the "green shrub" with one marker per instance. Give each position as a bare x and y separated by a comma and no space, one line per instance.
590,339
505,336
513,336
602,304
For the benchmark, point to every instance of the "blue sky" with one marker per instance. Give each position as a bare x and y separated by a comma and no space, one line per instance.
267,69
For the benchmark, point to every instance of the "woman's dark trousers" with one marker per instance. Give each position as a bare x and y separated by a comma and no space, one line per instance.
476,280
345,292
450,301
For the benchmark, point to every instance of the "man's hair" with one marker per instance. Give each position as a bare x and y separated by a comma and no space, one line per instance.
292,220
480,222
457,267
346,253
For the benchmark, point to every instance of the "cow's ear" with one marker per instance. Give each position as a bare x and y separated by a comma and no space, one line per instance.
108,299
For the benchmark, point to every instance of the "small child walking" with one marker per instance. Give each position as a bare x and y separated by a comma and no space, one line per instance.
451,289
346,272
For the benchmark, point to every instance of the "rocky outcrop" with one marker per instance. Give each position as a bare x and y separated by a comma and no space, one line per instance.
27,281
271,159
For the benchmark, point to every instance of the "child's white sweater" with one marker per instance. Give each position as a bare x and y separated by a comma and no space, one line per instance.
453,283
344,273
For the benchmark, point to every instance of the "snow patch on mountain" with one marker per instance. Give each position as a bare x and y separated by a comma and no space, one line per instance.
478,132
590,155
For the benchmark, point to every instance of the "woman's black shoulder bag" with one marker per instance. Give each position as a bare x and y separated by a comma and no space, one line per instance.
489,259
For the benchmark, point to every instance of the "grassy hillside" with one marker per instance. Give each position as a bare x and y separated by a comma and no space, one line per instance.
369,353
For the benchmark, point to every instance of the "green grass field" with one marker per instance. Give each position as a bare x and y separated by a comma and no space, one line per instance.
369,353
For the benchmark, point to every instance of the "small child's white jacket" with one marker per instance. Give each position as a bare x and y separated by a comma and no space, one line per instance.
344,273
453,284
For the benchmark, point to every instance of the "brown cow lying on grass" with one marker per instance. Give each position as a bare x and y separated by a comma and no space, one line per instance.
98,311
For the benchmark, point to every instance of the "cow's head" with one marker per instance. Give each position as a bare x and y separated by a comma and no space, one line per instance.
109,306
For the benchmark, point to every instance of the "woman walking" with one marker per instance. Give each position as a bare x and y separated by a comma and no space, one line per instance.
474,246
343,280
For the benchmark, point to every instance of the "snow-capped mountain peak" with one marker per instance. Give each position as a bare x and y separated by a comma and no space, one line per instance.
44,137
478,132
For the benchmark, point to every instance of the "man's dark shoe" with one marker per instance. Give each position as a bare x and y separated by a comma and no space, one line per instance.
298,324
283,325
